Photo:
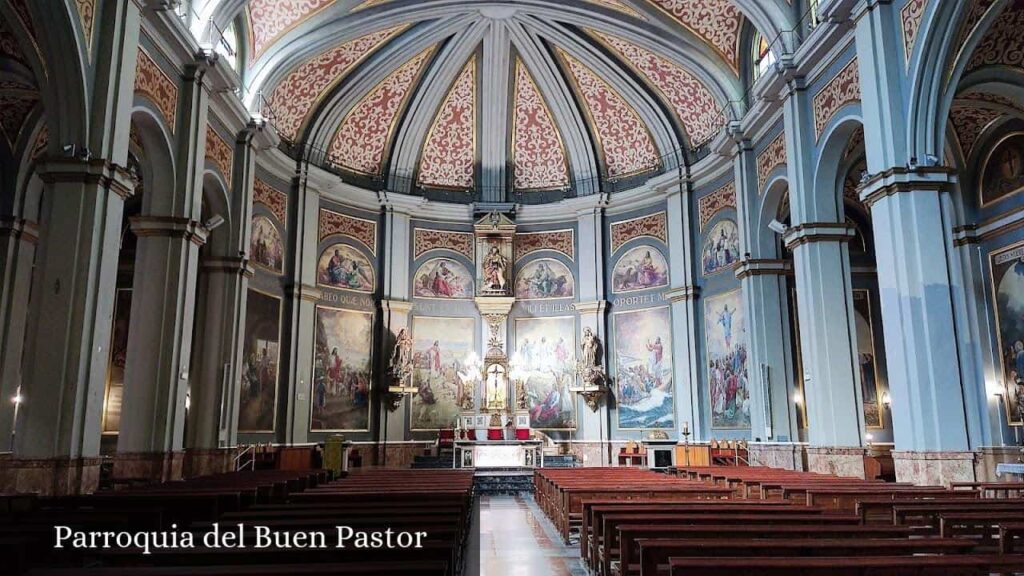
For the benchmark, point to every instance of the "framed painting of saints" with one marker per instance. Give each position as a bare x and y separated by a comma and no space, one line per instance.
440,349
343,345
265,245
257,407
1003,172
721,248
870,376
641,268
1007,268
644,369
725,337
443,278
545,354
342,266
543,279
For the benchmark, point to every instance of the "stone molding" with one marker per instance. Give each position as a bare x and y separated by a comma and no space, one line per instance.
932,468
304,292
810,232
899,179
19,229
763,267
837,460
95,171
50,476
683,293
592,307
171,227
240,266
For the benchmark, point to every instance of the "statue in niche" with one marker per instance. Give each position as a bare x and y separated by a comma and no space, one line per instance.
401,357
495,270
521,403
590,365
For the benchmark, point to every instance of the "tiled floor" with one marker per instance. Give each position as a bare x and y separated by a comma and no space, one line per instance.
516,539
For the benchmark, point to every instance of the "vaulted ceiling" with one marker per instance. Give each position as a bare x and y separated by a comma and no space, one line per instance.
531,95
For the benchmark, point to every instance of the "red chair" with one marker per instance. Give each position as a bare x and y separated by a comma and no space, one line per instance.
522,433
495,434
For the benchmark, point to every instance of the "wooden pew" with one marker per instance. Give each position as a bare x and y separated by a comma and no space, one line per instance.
950,565
654,553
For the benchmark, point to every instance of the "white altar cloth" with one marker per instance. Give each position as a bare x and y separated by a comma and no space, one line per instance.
484,454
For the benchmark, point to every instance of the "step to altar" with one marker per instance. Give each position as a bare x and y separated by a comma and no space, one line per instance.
509,481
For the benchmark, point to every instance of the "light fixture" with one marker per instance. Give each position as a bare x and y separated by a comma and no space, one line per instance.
886,399
869,436
798,398
17,399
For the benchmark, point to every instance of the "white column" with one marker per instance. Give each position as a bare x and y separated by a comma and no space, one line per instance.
683,297
592,309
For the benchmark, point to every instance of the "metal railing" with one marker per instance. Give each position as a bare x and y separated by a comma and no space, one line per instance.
243,463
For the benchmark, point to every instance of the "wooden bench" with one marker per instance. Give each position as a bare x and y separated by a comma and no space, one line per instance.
951,565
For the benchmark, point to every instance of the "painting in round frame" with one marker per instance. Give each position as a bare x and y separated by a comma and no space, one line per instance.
342,266
641,268
443,278
544,279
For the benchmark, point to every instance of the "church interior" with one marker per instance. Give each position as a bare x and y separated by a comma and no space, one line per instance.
575,287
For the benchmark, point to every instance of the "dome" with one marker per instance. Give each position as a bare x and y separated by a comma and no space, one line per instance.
528,101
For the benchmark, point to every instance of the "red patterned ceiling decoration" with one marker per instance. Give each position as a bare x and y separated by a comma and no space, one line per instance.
363,136
272,198
773,156
302,89
15,107
1002,44
911,14
359,229
969,122
219,152
425,240
152,83
271,19
623,138
716,22
708,206
449,152
650,226
842,89
538,154
557,240
690,99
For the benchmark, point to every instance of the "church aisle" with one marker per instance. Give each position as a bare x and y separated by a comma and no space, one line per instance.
517,540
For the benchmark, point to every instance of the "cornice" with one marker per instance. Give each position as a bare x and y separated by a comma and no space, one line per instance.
683,293
811,232
763,267
898,179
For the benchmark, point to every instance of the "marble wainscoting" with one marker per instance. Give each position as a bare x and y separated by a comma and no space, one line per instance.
593,454
783,455
990,456
839,461
203,462
50,476
152,466
400,454
934,468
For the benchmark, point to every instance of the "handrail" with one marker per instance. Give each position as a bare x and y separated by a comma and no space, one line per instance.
251,463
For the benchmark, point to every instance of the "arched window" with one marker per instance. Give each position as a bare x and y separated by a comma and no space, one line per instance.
763,55
227,45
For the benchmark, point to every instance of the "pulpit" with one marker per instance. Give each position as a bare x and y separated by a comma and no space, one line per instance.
660,453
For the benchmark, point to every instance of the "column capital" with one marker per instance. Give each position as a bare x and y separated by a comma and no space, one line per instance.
396,306
19,229
763,267
170,226
304,292
240,266
683,293
88,171
902,179
810,232
592,307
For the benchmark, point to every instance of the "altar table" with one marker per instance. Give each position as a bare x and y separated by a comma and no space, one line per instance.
484,454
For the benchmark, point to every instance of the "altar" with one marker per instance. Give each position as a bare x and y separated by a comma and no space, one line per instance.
491,454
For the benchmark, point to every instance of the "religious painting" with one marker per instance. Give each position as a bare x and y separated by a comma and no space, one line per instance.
440,349
117,360
257,404
342,266
641,268
643,368
341,370
265,246
725,334
443,278
545,356
1003,172
1007,269
869,374
721,248
545,278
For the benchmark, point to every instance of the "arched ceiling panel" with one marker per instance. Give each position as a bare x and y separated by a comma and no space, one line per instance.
625,142
271,19
538,154
692,102
302,89
362,137
717,22
449,153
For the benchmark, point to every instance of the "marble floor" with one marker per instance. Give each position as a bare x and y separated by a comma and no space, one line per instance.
516,539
